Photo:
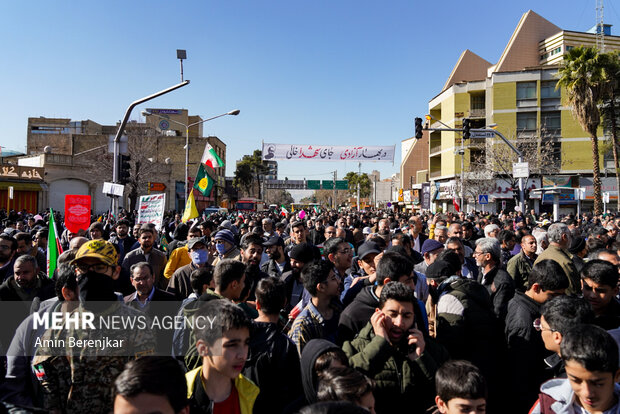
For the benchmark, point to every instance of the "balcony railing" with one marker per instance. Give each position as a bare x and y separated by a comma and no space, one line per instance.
478,113
435,148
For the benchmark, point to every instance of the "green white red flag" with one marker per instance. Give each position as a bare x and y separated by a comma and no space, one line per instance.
53,246
210,157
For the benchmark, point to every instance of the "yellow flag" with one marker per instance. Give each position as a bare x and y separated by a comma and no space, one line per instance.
190,208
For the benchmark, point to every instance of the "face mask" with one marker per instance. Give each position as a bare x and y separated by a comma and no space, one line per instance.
199,256
221,249
96,287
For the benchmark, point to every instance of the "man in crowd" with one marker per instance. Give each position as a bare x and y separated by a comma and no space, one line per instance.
143,281
278,262
430,250
498,282
122,240
226,246
520,266
180,282
148,253
391,267
415,232
559,241
319,319
526,350
24,246
599,283
390,350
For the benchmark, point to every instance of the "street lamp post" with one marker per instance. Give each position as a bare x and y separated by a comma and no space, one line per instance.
187,127
121,128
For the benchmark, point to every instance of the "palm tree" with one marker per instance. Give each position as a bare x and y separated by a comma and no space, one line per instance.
584,79
610,106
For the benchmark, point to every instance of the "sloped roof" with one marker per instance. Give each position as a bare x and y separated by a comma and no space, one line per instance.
522,49
470,67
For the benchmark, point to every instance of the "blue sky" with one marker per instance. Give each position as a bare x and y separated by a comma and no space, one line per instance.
309,72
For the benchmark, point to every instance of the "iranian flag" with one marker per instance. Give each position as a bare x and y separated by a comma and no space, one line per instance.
210,158
53,246
283,211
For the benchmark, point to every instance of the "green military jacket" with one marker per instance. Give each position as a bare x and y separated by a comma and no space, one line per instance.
400,382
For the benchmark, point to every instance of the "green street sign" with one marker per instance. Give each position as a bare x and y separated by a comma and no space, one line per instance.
313,184
327,184
342,185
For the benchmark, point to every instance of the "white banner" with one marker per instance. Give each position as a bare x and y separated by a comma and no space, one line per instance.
327,152
151,209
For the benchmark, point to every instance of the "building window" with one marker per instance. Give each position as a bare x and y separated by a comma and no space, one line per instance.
477,102
526,90
526,121
547,90
550,122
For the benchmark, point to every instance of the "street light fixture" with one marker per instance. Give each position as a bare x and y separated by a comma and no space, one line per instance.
187,127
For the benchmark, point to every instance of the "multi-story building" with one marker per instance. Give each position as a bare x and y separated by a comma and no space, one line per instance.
76,157
517,96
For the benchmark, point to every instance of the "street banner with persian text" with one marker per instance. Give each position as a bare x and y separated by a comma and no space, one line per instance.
327,152
77,212
151,209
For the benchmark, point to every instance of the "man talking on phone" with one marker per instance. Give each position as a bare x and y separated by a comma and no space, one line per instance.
399,358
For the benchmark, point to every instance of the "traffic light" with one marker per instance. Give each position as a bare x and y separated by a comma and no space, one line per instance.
125,169
418,128
466,128
516,194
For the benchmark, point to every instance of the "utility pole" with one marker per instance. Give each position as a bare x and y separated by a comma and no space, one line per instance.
359,178
334,206
375,179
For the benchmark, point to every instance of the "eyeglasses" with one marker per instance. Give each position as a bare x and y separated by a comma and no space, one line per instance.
537,324
97,267
4,247
477,253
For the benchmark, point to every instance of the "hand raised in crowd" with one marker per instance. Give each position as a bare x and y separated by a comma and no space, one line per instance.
415,338
378,324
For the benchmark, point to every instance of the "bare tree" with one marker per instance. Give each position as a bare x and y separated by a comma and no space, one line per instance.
492,159
147,162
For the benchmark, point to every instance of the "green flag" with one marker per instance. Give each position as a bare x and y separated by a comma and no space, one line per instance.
53,246
203,182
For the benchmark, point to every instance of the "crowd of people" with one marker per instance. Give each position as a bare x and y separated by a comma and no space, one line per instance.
317,312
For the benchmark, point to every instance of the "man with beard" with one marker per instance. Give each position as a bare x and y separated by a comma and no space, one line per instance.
8,247
24,246
278,262
122,240
79,379
383,228
559,241
520,266
299,255
316,234
415,232
498,282
26,283
146,253
251,253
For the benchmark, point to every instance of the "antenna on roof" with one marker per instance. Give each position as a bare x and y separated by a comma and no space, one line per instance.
600,28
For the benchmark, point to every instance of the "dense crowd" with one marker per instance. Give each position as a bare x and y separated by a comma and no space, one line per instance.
317,312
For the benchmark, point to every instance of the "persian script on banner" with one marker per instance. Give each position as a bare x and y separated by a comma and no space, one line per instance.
327,152
151,209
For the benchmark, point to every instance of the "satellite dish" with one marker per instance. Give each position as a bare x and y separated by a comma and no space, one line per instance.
47,149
